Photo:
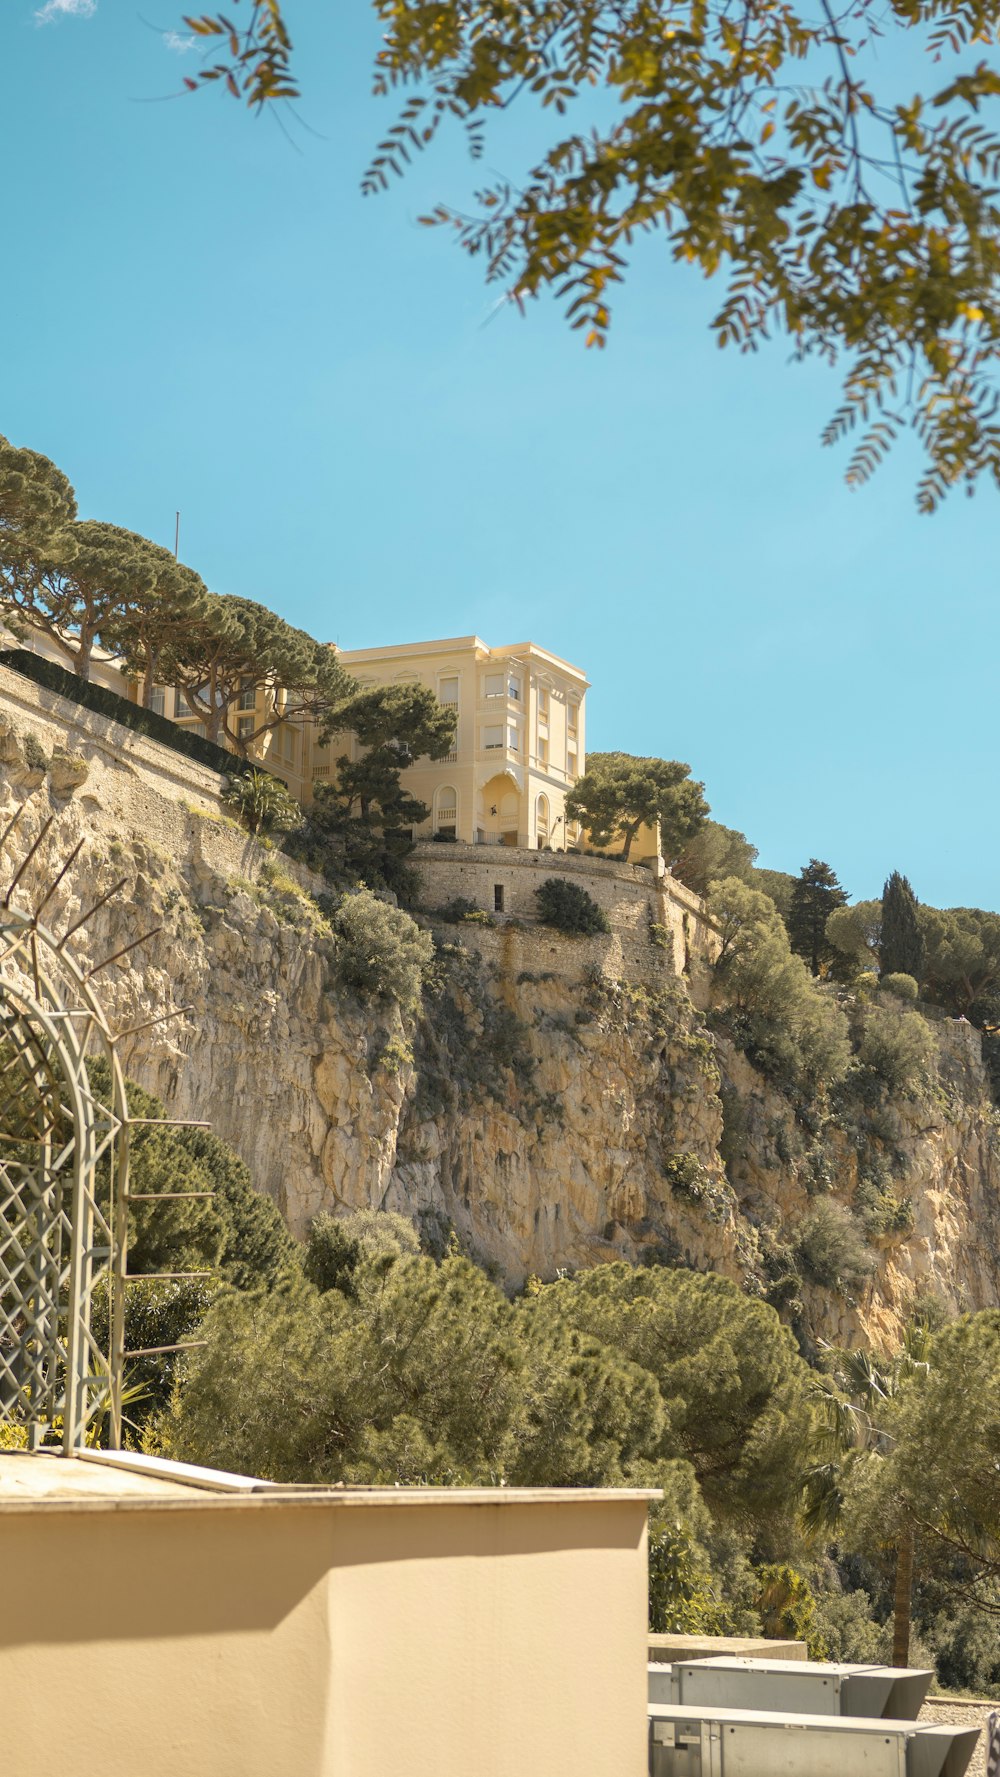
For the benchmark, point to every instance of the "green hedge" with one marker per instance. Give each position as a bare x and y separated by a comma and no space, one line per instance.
131,715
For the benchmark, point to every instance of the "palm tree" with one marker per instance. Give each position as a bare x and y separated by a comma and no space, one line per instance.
852,1396
262,801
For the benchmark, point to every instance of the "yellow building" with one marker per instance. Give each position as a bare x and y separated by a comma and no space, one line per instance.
519,746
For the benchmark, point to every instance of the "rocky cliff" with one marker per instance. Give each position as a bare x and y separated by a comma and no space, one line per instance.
545,1112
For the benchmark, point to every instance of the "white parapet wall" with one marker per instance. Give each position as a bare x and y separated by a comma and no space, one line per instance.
154,1621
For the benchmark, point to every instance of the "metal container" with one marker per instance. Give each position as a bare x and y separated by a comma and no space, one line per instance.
797,1686
688,1740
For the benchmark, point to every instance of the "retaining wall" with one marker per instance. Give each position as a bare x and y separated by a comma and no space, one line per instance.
632,897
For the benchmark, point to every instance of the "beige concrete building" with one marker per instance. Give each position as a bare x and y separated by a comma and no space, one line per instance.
519,747
520,744
182,1623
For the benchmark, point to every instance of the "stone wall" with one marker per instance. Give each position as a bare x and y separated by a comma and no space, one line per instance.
632,897
522,950
57,722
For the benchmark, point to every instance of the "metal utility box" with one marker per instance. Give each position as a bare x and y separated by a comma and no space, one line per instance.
798,1686
693,1741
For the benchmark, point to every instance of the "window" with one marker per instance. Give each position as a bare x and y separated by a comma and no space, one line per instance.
572,713
514,689
446,811
543,705
291,744
512,737
180,707
543,751
498,897
158,701
493,737
245,726
493,685
448,692
248,697
571,764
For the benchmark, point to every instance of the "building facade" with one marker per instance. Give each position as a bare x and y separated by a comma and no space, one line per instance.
519,745
519,748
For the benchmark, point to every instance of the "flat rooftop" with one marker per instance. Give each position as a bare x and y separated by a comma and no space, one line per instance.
103,1480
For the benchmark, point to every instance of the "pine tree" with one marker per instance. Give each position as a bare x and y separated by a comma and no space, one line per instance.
814,897
902,946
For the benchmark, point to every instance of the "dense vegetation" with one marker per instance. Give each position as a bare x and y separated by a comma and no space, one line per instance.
362,1358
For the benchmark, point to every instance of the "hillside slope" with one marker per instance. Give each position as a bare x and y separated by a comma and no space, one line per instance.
552,1117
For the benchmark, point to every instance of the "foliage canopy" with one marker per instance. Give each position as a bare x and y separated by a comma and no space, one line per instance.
620,793
763,142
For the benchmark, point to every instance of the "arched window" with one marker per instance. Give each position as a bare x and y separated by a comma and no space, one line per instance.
542,821
446,811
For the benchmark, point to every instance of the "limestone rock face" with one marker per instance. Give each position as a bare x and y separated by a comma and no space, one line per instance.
549,1115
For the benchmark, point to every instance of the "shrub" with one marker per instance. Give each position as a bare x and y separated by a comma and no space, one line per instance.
831,1248
461,911
770,1003
844,1622
788,1608
898,1048
902,987
35,755
337,1244
381,952
569,908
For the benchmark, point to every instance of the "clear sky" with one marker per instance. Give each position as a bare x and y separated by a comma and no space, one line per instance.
201,314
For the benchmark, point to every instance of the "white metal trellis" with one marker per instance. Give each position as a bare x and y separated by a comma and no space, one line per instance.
63,1184
64,1152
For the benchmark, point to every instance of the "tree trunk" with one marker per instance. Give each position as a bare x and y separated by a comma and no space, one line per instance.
149,680
904,1591
630,833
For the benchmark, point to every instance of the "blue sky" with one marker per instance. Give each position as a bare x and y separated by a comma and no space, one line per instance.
201,315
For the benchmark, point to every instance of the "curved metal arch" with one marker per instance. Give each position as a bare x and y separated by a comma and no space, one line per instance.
62,1236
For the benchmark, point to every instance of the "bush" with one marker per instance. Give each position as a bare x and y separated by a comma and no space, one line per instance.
461,911
788,1608
898,1048
845,1624
569,908
381,953
35,755
770,1004
902,987
337,1244
831,1248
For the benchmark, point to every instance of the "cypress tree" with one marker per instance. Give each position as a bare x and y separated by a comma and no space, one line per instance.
902,946
814,896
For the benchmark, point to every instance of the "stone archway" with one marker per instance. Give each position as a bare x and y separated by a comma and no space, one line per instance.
500,811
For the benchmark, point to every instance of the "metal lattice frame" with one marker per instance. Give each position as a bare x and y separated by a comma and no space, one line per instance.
63,1185
63,1176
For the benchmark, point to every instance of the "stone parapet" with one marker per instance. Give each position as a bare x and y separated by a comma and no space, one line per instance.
639,906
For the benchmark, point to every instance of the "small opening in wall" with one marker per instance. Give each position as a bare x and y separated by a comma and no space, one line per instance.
498,897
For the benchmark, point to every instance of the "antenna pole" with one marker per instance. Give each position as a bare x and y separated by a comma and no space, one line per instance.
177,533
